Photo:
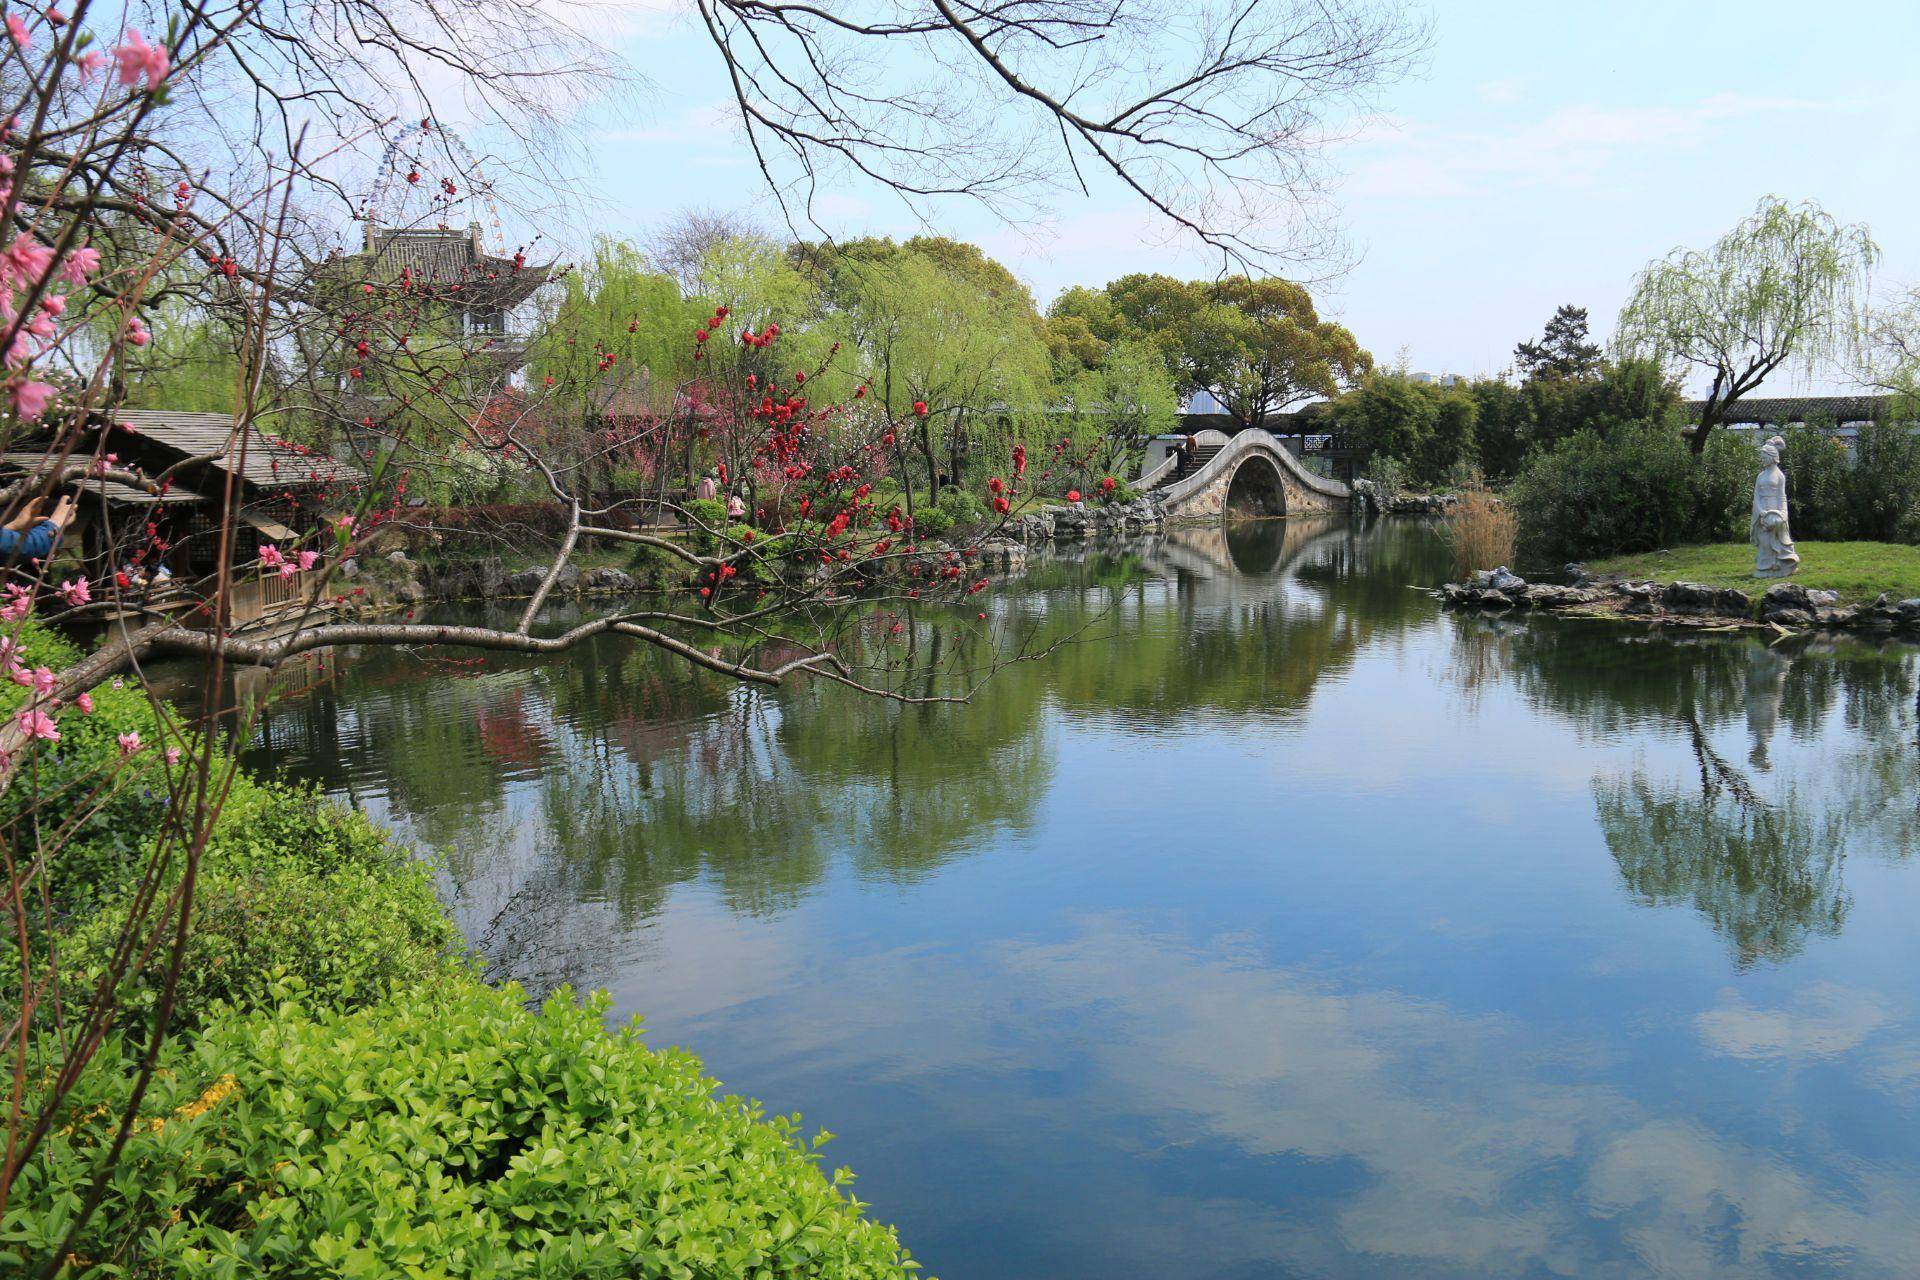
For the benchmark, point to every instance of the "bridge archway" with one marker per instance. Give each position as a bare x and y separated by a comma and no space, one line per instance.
1256,491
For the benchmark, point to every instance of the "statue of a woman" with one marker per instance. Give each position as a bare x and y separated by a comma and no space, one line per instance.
1773,553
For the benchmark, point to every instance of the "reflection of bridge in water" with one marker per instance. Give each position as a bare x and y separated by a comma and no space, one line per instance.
1248,548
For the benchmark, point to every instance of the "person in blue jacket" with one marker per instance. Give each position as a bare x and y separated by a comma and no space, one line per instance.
32,536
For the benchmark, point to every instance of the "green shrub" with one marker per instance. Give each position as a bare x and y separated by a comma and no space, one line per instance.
464,1136
1864,490
1633,489
962,505
1886,488
1724,488
292,884
287,882
932,522
1391,476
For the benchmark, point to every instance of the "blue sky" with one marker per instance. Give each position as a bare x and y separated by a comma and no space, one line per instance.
1542,155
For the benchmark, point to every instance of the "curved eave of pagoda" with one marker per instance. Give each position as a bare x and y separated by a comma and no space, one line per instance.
494,282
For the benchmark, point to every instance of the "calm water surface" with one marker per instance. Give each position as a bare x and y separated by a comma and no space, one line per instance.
1280,925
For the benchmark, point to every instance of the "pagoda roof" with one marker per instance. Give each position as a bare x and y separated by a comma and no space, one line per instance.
442,262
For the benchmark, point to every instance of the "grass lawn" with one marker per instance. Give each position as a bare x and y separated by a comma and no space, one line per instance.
1859,571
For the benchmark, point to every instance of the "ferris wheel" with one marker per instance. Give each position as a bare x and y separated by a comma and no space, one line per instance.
411,182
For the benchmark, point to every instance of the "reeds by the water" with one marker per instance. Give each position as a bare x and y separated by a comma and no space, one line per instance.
1481,532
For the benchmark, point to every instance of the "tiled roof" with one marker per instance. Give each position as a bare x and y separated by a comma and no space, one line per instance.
269,463
1780,410
444,262
112,490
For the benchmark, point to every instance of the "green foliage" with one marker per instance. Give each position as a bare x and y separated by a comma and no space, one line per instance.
962,506
290,885
1430,429
462,1136
1563,351
286,882
191,363
932,522
1787,286
1632,489
1867,488
1257,346
1723,487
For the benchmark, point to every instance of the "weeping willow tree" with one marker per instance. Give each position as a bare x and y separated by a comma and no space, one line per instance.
1786,287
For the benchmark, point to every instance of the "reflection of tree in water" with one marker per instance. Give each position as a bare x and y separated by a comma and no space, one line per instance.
1764,866
1764,875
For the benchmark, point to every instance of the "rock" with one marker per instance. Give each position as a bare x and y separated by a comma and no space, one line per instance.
1787,604
1501,579
1640,591
1577,575
1785,596
350,568
1694,597
1069,523
1838,619
399,558
1003,553
1421,504
523,583
1823,599
1546,596
605,581
1491,599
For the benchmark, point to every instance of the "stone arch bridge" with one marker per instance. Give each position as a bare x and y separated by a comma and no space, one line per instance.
1248,475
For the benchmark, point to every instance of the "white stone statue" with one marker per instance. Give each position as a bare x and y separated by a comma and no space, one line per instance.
1773,553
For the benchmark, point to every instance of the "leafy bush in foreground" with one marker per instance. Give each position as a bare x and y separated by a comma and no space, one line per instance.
464,1136
1636,488
342,1097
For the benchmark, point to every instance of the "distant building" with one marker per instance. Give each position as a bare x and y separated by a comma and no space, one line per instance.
468,296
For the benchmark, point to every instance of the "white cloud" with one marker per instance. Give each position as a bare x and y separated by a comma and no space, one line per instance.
1571,146
1824,1021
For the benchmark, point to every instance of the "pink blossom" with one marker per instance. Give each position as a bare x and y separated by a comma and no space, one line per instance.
129,742
90,64
137,332
44,680
137,58
53,304
30,398
38,724
308,559
287,569
82,262
27,259
85,703
270,556
19,603
173,755
20,676
76,592
18,30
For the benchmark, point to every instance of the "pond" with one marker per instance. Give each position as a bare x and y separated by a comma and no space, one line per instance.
1275,924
